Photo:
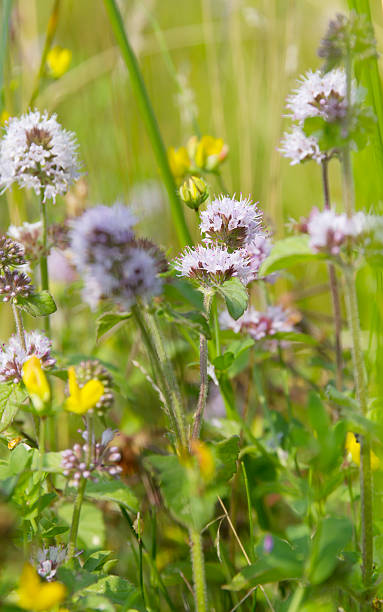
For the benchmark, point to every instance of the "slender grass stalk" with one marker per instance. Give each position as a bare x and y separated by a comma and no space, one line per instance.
249,511
7,6
44,258
204,382
334,289
297,599
150,121
198,564
50,33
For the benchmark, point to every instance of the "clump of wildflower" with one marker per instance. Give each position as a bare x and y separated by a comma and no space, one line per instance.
14,285
179,162
212,265
346,37
93,369
258,324
328,231
113,263
256,252
37,153
49,560
230,222
12,253
13,355
298,147
84,462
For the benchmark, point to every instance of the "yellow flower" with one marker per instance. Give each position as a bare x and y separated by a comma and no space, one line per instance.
4,117
36,382
205,459
210,153
14,442
58,60
193,192
34,594
179,161
82,399
353,447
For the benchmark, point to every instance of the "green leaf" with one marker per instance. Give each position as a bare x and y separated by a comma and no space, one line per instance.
117,590
112,490
227,454
108,320
96,560
39,304
236,297
18,461
288,252
194,320
11,399
223,362
51,462
295,337
332,536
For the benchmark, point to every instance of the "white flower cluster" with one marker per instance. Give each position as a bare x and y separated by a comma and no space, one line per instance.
317,95
37,153
13,356
112,262
257,324
329,231
235,244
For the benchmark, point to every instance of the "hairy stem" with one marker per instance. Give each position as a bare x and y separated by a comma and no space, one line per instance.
334,289
19,326
44,258
204,382
198,563
149,118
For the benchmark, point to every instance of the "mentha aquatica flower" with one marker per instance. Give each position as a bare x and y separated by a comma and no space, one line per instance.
258,324
37,153
14,285
321,95
212,264
230,222
328,231
13,355
298,147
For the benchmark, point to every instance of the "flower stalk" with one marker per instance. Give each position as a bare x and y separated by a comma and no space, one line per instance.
44,257
198,564
204,382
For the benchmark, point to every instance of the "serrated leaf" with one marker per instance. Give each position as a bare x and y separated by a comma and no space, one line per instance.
39,304
288,252
236,297
118,590
108,320
227,454
112,490
11,398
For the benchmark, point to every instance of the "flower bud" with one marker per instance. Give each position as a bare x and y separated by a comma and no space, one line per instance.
36,383
194,192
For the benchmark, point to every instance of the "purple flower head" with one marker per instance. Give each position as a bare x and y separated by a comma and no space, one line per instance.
258,324
212,265
13,356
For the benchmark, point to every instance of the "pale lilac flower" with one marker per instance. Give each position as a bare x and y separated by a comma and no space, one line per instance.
298,147
256,252
12,253
321,95
49,560
13,356
230,222
61,269
328,231
15,284
30,235
212,264
258,324
37,153
114,265
104,459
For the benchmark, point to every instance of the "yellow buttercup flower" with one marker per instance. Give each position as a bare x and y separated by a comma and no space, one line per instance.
34,594
82,399
353,447
179,161
210,153
58,60
36,382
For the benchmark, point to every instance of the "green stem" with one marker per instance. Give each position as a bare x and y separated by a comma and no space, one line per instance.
198,563
216,328
251,523
42,429
158,372
7,6
76,518
51,30
150,121
19,326
204,382
297,599
170,377
44,258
